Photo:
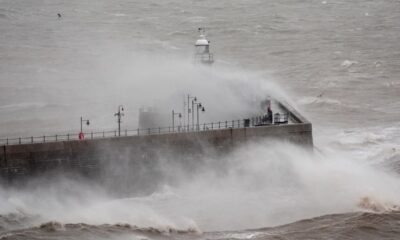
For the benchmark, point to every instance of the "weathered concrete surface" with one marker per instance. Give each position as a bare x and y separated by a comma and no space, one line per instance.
19,161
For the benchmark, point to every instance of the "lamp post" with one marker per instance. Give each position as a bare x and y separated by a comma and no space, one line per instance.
81,135
173,119
188,122
119,114
193,103
184,110
199,106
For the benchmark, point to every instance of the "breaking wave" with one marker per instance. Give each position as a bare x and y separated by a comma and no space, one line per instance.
319,100
87,231
356,225
259,184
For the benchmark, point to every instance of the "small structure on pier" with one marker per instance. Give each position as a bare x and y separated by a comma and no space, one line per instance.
149,117
202,49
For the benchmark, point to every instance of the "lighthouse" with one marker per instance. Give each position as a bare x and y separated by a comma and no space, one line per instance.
202,49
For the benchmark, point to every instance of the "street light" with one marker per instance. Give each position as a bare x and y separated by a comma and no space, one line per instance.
201,107
119,114
173,119
81,135
190,97
193,102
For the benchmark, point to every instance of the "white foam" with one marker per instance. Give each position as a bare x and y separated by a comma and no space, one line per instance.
319,100
263,184
348,63
23,105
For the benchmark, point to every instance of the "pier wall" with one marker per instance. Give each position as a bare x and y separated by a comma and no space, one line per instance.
86,156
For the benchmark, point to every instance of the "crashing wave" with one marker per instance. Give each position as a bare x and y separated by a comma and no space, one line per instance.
53,226
16,220
348,63
87,231
370,204
319,100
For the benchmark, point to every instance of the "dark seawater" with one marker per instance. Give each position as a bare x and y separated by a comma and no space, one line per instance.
339,226
337,61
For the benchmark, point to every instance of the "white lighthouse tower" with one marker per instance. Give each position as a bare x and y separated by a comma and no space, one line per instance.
202,49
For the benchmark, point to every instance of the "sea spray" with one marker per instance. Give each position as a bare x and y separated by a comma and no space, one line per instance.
259,184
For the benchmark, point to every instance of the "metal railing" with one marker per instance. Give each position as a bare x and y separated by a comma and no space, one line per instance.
251,122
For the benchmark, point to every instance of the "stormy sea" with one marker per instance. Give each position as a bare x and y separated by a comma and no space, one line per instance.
336,61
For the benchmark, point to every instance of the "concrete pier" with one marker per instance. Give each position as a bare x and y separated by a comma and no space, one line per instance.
31,159
97,156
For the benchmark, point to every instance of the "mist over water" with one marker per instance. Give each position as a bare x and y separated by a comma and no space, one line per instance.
261,184
336,61
143,81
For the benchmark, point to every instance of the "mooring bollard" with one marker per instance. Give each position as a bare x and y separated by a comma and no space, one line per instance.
56,137
44,138
31,139
67,136
19,140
